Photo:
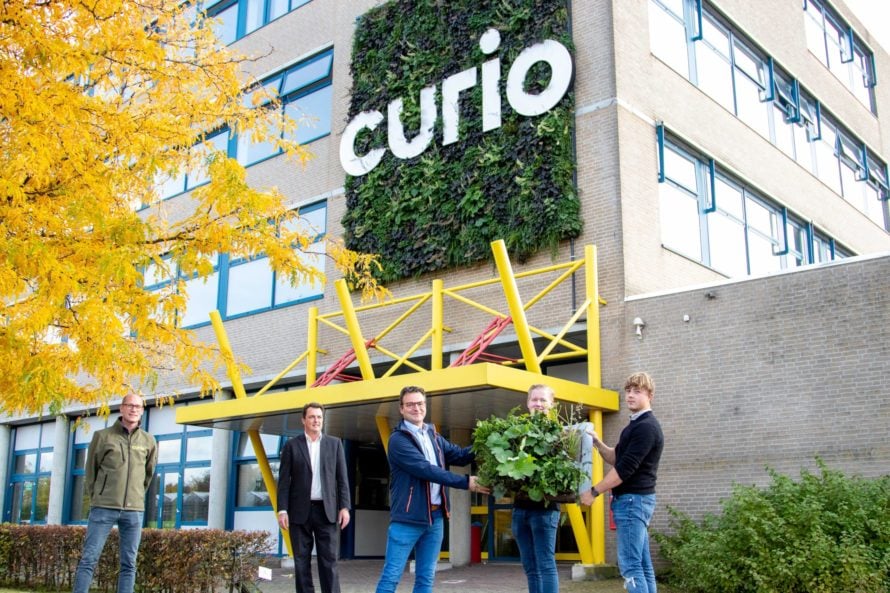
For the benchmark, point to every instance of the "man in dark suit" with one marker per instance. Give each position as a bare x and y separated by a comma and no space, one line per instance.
313,500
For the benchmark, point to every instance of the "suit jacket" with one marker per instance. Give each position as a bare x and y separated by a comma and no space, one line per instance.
295,479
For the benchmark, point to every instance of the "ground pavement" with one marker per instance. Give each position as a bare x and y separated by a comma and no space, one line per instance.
360,576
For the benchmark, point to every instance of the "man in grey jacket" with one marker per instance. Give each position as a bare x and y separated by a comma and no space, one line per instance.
120,465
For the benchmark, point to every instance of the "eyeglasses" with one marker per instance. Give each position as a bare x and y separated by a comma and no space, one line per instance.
414,404
132,406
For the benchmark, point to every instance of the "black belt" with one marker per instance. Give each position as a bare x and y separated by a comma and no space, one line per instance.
321,502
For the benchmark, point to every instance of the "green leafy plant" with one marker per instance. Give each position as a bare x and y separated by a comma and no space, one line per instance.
528,455
821,534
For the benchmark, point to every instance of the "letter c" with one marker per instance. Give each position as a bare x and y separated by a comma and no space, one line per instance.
353,164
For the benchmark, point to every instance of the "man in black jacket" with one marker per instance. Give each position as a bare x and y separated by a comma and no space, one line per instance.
634,462
313,500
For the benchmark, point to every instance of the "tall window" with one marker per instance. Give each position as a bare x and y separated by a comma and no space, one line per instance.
832,41
32,464
250,488
731,70
77,506
305,94
243,286
180,493
237,18
718,221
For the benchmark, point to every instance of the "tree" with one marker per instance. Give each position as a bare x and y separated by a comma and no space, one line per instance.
100,101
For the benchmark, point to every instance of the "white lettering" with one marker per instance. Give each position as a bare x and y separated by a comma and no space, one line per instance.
560,60
451,88
551,52
491,77
395,130
355,165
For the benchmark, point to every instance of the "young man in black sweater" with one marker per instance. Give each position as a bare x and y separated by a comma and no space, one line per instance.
634,462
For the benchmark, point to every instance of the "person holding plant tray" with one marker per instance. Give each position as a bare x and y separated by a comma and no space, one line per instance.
634,462
535,521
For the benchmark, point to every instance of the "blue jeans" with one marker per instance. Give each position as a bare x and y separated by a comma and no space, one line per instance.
632,513
425,540
535,533
129,525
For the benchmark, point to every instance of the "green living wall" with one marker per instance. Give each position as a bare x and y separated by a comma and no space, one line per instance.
442,208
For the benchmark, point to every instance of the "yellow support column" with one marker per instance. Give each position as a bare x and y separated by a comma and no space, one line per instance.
312,346
355,331
384,429
594,379
238,387
514,302
438,324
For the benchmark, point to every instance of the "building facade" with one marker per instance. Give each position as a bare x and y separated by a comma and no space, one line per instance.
729,162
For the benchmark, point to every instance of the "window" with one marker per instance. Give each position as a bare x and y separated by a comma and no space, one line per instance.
306,96
732,71
237,18
180,493
834,44
718,221
243,286
250,488
32,463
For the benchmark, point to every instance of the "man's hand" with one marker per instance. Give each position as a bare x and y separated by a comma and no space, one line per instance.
475,486
343,518
283,521
593,435
587,498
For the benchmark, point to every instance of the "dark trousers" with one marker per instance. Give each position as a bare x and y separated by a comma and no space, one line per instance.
326,536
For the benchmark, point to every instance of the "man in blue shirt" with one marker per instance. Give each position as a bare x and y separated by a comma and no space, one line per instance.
634,462
418,458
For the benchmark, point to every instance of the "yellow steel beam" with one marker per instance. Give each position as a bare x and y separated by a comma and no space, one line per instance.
447,380
385,430
312,346
226,349
514,302
238,387
437,325
278,377
355,330
576,518
594,379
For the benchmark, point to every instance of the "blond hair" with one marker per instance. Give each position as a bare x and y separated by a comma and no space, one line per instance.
641,380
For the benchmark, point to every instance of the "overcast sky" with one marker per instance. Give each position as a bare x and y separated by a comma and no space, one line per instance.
875,15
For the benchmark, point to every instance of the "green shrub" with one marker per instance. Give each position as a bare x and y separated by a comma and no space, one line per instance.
45,557
825,533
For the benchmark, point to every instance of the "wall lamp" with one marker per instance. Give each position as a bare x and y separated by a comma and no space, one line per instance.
639,324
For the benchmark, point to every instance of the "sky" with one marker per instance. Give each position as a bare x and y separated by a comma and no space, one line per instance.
875,15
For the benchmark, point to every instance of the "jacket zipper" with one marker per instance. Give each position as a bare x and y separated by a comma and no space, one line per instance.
410,494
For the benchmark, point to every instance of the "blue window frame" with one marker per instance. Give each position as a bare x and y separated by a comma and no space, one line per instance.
237,18
249,488
180,493
30,468
239,287
698,43
834,43
305,94
718,221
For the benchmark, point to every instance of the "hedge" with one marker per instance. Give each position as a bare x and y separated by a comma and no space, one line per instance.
170,561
